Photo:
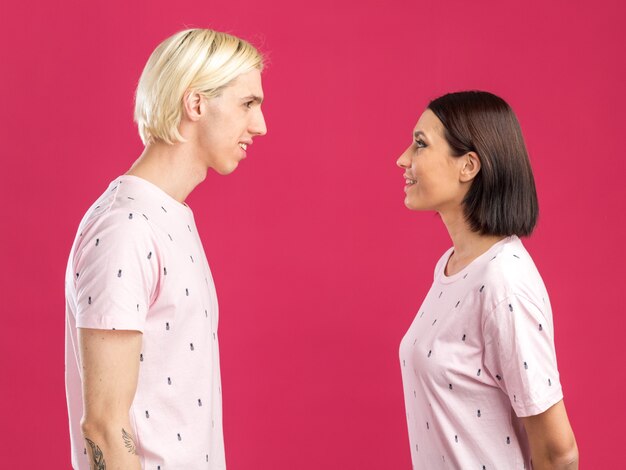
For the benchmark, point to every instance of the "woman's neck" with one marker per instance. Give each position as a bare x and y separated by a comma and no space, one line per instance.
468,245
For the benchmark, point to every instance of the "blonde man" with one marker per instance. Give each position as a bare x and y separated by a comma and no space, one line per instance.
142,361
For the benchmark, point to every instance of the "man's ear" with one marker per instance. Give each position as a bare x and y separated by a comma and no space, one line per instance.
470,168
192,105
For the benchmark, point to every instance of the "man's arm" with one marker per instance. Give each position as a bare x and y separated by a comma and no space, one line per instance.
552,442
110,367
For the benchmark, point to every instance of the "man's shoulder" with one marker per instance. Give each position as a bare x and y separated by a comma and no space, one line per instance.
133,213
123,200
115,216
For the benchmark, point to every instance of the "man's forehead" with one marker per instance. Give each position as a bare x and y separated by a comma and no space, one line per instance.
248,85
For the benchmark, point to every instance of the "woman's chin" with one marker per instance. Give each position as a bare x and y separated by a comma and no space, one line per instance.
411,204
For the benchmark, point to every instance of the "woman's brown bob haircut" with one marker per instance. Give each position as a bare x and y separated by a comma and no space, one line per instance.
502,199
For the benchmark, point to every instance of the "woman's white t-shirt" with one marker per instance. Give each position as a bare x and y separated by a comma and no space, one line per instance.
478,356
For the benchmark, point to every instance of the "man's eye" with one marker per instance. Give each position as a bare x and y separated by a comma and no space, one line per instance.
249,104
420,143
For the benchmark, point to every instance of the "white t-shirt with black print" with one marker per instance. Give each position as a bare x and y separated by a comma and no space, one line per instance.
478,356
137,263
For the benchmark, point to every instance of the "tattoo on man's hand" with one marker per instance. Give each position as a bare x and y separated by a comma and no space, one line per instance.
98,456
128,442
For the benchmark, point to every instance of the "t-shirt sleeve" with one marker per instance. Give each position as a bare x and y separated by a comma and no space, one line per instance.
520,355
116,273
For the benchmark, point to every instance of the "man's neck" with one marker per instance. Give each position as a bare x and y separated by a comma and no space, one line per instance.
173,168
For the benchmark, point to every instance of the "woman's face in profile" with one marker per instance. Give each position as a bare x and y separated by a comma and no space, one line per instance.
430,171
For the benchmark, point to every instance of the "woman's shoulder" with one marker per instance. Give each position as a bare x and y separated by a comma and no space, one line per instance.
511,271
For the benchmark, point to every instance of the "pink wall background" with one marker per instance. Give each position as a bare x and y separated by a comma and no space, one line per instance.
319,267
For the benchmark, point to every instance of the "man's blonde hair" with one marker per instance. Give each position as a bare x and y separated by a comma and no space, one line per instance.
200,60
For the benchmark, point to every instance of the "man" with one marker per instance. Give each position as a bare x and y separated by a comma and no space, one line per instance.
142,361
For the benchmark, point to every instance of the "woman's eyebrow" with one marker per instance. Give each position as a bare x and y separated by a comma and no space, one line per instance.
416,134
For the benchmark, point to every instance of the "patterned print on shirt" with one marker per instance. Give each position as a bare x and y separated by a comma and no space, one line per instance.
179,273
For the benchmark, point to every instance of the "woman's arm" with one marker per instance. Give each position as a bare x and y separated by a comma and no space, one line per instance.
552,441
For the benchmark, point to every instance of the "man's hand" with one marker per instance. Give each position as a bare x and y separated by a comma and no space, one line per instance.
110,367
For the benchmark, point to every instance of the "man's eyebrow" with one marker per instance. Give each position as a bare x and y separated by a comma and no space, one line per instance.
255,98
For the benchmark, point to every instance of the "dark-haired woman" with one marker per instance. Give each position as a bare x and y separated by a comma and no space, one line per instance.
479,369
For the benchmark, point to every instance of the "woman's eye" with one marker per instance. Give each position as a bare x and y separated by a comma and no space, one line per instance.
420,143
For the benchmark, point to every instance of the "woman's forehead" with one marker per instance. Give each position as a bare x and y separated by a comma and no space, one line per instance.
428,124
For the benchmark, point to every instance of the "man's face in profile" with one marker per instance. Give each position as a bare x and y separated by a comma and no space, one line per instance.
230,121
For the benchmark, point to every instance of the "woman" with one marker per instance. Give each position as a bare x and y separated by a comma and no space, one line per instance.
479,369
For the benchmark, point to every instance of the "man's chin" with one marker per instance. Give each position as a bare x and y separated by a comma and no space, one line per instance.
226,169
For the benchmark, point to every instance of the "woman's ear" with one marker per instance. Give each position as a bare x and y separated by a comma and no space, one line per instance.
470,168
192,102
